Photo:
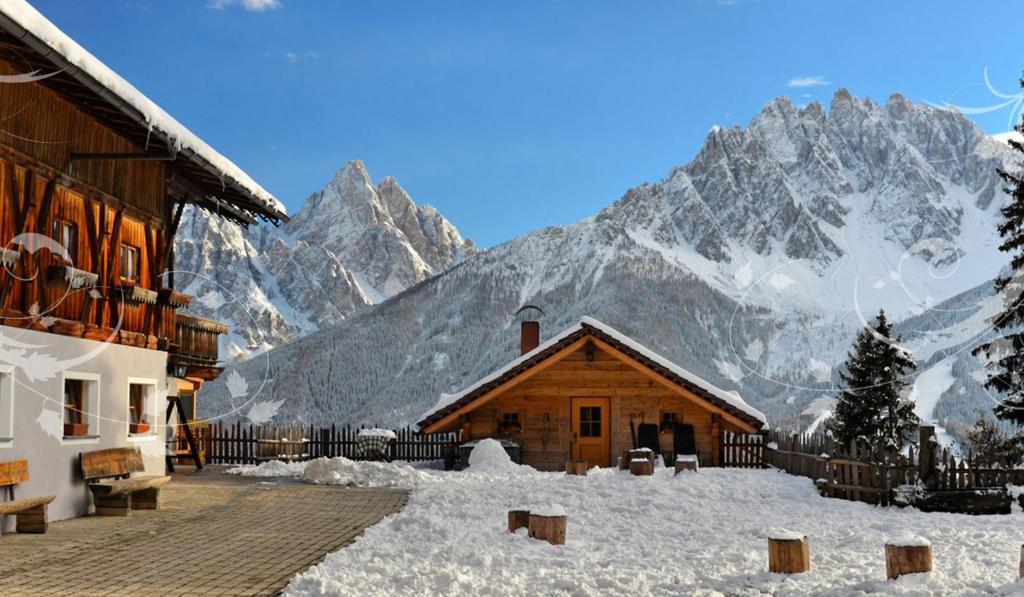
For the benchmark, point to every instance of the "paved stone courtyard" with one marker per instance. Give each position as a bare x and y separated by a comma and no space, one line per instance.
215,534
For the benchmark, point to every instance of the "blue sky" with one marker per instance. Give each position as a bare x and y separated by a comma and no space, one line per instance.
510,116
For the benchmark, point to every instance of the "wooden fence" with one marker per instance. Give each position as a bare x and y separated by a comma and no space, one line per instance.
874,475
739,450
248,444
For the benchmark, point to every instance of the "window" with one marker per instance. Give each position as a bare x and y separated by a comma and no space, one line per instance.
66,233
141,407
81,405
129,263
6,407
590,421
668,421
510,422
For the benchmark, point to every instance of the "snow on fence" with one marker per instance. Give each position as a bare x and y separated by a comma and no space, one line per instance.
248,444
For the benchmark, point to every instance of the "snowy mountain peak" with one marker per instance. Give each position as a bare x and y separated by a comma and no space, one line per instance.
351,245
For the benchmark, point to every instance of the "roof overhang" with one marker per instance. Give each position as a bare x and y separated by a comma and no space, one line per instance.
216,184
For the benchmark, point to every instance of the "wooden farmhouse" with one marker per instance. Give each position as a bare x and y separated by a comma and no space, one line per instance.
93,337
591,393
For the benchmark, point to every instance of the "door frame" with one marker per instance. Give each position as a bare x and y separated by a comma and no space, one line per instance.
575,402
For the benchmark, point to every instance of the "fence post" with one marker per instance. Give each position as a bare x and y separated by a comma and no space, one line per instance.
927,447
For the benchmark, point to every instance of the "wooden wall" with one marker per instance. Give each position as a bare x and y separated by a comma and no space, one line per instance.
630,393
39,123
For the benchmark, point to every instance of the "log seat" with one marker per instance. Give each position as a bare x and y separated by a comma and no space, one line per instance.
115,491
29,513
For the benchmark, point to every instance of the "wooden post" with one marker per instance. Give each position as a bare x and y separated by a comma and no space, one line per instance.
641,466
909,556
788,553
518,519
1020,571
927,469
548,525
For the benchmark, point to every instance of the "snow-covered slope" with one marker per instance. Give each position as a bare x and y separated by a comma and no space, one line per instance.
753,265
351,245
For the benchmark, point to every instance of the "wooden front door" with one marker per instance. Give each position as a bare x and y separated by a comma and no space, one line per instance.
590,435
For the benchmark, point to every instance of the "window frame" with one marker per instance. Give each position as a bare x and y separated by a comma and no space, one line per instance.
149,410
125,249
57,233
91,412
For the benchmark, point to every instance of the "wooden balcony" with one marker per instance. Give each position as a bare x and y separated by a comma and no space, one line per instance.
196,345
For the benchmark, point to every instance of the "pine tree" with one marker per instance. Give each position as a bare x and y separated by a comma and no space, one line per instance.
871,404
1005,354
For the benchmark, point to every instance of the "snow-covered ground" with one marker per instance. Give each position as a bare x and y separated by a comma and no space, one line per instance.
697,533
927,389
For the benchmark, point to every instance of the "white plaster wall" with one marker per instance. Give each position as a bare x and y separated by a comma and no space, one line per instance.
53,461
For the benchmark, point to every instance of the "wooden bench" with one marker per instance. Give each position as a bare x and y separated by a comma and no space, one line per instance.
30,513
114,491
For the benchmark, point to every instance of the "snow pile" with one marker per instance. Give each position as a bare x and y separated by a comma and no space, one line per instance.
488,456
909,540
272,468
358,473
694,534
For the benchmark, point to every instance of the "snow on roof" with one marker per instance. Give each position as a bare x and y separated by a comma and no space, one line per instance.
178,136
731,398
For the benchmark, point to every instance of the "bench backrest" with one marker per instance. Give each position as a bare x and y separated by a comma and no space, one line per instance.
114,462
13,472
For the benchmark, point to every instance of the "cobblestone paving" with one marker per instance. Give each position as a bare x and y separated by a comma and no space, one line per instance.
215,534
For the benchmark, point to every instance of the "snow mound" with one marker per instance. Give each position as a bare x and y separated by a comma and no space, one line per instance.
909,541
548,510
273,468
342,471
488,456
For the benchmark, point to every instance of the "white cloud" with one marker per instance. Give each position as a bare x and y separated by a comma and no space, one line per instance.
253,5
811,81
294,57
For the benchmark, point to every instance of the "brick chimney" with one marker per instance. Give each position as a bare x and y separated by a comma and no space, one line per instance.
529,336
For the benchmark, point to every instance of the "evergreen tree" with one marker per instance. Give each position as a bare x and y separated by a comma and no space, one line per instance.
871,403
1005,354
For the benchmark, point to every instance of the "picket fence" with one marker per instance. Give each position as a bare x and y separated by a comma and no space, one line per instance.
235,443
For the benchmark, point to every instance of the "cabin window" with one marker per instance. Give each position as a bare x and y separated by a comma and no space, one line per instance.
129,263
6,407
66,233
141,407
81,405
590,421
668,421
510,422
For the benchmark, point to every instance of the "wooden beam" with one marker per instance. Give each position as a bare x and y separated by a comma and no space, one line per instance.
675,387
127,156
505,386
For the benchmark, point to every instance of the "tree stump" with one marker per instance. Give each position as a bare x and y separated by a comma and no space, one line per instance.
641,466
788,554
576,467
685,463
549,528
518,519
909,556
647,453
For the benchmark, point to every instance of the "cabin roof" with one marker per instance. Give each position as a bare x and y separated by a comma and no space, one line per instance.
729,401
29,38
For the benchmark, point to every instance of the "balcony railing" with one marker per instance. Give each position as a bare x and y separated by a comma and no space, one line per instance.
197,339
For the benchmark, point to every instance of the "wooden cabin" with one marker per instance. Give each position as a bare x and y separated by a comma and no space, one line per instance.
583,395
93,180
